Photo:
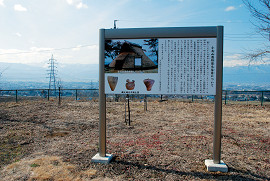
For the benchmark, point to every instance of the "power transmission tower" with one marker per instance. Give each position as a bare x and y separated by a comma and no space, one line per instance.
52,74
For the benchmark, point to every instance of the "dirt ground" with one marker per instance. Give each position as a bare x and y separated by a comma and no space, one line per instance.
40,140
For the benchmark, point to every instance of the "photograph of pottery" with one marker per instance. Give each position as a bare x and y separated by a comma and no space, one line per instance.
148,83
112,82
130,85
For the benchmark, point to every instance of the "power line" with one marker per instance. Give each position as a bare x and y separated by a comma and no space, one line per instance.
241,33
250,37
49,50
227,37
172,21
242,40
233,53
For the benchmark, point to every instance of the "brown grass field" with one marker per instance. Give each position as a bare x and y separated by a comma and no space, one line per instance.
40,140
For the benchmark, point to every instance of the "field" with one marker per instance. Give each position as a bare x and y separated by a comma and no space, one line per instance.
40,140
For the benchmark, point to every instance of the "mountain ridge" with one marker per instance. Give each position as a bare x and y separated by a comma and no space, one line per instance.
253,74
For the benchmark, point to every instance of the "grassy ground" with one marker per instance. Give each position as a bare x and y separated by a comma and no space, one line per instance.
42,140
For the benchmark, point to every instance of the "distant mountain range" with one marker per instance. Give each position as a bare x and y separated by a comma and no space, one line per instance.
32,73
253,74
259,74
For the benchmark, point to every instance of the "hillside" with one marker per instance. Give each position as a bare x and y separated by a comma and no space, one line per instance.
37,73
254,74
41,140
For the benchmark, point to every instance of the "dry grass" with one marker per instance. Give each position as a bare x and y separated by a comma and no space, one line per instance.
44,168
168,142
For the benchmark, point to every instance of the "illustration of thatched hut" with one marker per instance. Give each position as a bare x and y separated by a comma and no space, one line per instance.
132,57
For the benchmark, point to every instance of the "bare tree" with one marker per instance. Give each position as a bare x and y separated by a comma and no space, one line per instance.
260,10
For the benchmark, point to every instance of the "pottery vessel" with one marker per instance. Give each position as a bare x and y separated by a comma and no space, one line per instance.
148,83
130,85
112,82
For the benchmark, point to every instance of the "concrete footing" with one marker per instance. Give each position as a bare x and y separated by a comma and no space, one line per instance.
215,167
99,159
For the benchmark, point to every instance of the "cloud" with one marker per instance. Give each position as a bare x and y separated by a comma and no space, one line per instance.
9,51
90,47
241,5
32,55
19,7
77,3
77,48
81,5
95,47
235,60
230,8
18,34
82,54
239,60
70,2
40,49
2,3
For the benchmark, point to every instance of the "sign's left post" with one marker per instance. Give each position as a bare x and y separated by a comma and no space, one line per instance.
102,156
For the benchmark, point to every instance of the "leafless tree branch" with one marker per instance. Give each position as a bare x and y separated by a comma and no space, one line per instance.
260,10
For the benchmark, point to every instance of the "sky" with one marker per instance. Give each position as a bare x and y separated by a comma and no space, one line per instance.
32,30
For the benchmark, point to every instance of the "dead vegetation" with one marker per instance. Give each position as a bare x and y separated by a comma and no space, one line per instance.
40,140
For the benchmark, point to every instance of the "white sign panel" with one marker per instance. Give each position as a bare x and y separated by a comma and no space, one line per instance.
187,66
161,66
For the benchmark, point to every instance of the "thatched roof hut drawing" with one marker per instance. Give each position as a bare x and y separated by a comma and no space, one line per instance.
132,57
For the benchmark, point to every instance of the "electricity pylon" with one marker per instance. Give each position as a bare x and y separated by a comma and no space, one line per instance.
52,74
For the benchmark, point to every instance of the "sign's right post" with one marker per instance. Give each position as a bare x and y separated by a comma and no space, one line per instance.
216,164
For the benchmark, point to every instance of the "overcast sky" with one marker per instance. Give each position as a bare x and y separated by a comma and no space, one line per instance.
32,30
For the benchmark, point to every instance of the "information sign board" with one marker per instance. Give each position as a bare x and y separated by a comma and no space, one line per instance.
160,66
180,60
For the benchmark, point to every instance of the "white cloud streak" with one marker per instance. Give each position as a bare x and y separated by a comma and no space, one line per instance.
91,47
81,5
18,34
19,7
19,56
77,48
70,2
2,3
83,54
77,3
230,8
235,60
